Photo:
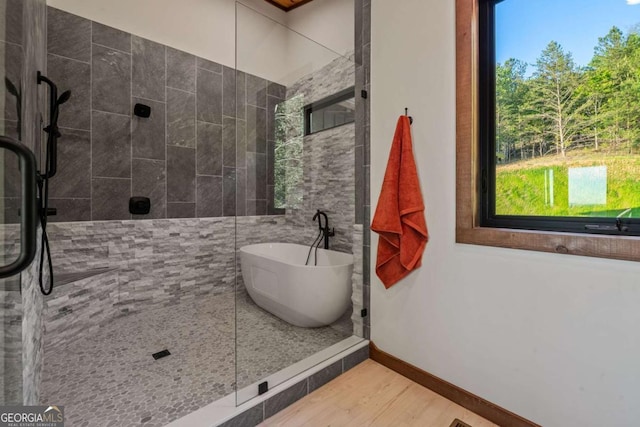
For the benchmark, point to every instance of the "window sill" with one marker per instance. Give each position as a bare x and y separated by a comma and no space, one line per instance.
602,246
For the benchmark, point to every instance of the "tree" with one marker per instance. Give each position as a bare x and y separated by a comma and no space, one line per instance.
556,98
596,89
288,152
510,90
616,65
562,106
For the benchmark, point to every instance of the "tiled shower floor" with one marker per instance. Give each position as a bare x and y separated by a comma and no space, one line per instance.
110,379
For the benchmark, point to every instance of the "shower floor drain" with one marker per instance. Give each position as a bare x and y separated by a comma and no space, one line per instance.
161,354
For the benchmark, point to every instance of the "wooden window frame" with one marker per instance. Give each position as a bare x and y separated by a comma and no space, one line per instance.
468,228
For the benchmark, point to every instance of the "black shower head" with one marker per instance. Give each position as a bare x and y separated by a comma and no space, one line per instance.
64,97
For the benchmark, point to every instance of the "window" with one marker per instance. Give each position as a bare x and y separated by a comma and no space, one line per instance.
559,116
527,178
288,174
336,110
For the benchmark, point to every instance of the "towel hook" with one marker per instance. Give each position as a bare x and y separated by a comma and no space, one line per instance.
406,113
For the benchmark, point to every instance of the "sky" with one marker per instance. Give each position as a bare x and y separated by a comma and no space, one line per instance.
529,25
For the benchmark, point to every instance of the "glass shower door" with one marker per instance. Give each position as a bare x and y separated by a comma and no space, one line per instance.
11,62
288,319
10,297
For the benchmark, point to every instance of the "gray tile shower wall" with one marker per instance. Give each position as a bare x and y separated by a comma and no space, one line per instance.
328,158
161,261
9,247
11,348
11,50
11,319
32,333
258,131
78,309
183,157
21,342
329,184
336,76
34,37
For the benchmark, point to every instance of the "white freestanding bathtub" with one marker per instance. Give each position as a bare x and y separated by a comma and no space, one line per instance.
278,280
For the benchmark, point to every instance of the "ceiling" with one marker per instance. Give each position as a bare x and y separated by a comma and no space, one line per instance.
287,5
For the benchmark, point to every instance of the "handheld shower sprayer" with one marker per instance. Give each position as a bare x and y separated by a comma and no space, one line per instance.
50,169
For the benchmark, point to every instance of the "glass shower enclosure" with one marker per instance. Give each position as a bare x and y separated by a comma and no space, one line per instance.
295,187
181,156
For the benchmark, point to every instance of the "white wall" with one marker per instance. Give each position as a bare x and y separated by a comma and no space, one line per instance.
322,30
328,22
207,28
271,50
203,27
262,45
553,338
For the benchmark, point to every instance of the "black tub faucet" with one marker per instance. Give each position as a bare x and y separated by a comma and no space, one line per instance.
326,232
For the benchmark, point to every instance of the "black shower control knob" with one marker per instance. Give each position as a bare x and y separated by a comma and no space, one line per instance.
139,205
142,110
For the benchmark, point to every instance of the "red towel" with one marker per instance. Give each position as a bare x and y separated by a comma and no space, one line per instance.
399,218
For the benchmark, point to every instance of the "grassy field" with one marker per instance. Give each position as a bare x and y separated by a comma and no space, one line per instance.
523,187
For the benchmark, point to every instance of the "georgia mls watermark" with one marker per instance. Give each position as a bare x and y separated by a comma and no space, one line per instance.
31,416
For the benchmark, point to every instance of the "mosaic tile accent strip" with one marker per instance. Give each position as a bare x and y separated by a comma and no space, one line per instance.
199,333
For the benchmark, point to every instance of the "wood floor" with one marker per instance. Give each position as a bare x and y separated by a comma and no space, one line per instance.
373,395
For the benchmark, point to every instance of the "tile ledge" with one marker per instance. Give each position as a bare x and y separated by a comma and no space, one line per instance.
64,278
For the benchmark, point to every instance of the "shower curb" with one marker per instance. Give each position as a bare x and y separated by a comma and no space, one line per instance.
226,413
276,403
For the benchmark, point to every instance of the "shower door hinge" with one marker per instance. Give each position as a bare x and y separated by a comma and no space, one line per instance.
364,94
363,312
263,387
